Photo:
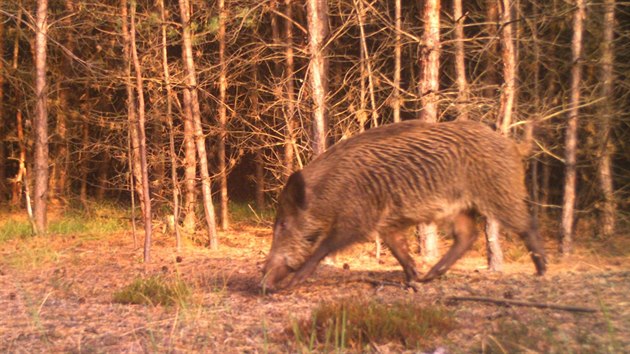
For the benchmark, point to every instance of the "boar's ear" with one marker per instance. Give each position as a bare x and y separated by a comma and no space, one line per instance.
296,190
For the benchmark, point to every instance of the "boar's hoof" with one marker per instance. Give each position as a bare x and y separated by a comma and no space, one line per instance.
414,285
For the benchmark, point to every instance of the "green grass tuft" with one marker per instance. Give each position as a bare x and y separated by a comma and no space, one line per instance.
14,229
352,324
154,290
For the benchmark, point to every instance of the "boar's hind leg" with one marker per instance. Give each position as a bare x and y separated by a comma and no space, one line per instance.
464,234
534,246
397,243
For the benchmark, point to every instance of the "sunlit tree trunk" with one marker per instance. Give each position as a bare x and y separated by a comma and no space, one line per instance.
460,63
365,59
504,120
200,141
222,117
3,122
142,137
131,116
609,208
568,204
397,61
169,122
40,121
317,16
290,148
190,165
429,87
492,19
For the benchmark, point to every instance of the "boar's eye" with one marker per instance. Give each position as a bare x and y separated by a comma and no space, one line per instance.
311,238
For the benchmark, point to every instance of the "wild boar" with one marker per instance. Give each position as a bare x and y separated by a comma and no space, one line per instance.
390,178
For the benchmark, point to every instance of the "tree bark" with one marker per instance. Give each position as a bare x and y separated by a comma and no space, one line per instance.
492,19
396,102
3,123
142,138
460,61
504,120
365,59
609,207
317,16
171,134
62,152
429,87
131,114
568,204
290,148
200,141
508,94
223,187
40,124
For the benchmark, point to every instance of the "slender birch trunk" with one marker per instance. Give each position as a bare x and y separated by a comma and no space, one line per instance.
200,141
396,103
3,123
504,120
223,187
429,87
460,61
609,208
290,146
40,123
358,4
131,114
142,137
171,134
568,204
317,16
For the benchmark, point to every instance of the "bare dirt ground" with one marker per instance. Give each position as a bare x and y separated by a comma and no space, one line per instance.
56,295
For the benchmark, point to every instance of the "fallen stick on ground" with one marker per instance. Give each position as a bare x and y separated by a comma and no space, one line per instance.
521,303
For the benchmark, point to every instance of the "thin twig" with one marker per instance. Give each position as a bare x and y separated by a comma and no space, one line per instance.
521,303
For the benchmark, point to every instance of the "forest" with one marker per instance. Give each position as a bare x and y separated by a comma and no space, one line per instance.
144,145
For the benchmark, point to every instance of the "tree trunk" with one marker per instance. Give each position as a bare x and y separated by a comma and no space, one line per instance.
85,162
609,208
290,148
171,134
396,100
3,123
568,205
62,156
492,19
142,137
222,118
200,141
504,120
16,190
40,123
429,87
131,114
190,165
508,93
365,59
460,63
317,15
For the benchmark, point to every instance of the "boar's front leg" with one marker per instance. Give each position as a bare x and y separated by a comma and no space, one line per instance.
311,263
465,234
336,240
396,241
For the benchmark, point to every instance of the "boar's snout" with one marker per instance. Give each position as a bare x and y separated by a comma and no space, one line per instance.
274,271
